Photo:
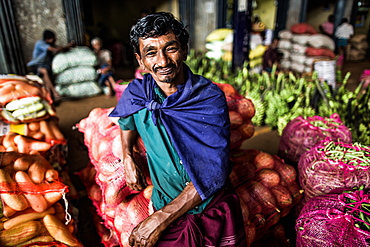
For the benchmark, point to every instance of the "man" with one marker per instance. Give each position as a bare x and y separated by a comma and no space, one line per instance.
343,34
183,121
271,57
42,58
106,80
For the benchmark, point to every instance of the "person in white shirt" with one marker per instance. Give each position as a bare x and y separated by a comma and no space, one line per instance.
342,34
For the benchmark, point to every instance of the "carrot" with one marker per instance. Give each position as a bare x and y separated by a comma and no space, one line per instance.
52,197
36,200
8,141
38,168
51,175
35,242
9,158
59,231
14,200
33,126
59,212
45,129
27,217
54,128
8,211
268,177
23,163
25,144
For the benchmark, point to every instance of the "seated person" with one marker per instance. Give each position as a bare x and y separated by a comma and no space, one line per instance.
105,71
42,58
271,57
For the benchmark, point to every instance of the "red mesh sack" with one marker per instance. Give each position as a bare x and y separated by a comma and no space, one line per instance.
311,51
302,28
332,165
302,133
335,219
131,212
267,188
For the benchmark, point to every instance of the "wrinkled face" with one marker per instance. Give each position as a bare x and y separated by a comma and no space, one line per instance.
162,57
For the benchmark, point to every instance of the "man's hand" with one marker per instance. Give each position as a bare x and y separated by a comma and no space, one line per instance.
147,233
135,178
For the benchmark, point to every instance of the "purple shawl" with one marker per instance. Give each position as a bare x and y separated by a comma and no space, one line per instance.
197,121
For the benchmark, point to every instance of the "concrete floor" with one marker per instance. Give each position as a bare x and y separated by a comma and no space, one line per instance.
71,112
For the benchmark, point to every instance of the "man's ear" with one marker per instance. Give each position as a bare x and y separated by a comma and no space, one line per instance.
138,59
185,53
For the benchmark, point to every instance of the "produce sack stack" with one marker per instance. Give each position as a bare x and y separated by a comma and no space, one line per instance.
116,204
267,188
31,212
75,73
284,47
241,112
357,48
302,133
256,57
215,42
333,165
339,218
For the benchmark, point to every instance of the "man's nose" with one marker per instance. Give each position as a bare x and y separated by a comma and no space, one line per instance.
162,59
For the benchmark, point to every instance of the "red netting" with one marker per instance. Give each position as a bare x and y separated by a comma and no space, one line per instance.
330,220
301,134
332,165
267,188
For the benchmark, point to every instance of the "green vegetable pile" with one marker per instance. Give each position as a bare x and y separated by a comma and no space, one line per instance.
280,97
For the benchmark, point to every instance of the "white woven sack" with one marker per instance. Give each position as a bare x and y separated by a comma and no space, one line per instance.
284,44
321,41
298,48
286,53
301,39
285,34
298,58
300,68
285,63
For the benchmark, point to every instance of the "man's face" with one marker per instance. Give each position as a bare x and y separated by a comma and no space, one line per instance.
162,57
50,41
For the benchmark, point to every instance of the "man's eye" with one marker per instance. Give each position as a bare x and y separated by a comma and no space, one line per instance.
172,49
148,54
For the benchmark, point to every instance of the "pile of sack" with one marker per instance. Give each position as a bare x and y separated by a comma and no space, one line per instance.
357,48
301,46
75,73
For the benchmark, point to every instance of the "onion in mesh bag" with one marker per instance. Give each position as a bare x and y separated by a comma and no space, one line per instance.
300,134
332,165
335,219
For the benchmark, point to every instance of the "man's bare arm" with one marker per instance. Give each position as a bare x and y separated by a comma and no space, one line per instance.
147,233
135,178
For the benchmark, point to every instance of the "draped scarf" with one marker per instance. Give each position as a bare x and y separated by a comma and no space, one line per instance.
197,121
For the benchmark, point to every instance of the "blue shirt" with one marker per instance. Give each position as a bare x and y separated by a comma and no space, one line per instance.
40,55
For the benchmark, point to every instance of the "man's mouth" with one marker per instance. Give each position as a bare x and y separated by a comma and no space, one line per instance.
165,70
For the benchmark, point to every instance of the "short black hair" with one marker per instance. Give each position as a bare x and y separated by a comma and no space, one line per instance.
48,34
155,25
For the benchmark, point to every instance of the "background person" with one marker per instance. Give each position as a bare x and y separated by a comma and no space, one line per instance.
328,26
271,57
42,57
105,80
177,114
342,34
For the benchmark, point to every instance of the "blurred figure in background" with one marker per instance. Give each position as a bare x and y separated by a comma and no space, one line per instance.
105,71
342,34
271,57
42,57
327,27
